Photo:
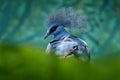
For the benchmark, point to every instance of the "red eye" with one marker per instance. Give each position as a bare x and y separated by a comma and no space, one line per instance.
53,29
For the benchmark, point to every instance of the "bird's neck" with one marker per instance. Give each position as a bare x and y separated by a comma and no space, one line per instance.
59,35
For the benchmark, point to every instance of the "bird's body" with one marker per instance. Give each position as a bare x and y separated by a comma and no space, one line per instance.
62,47
65,44
69,45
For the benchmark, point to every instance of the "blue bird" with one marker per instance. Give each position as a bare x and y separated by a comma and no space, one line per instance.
64,44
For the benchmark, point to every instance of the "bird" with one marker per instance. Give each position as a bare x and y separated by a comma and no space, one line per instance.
65,44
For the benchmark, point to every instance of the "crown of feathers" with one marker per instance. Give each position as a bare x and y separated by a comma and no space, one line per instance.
68,17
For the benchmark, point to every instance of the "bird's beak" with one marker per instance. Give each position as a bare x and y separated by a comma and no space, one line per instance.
46,35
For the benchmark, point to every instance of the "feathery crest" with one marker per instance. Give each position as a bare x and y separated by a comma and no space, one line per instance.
68,17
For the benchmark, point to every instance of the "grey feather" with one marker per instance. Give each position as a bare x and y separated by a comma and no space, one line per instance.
68,17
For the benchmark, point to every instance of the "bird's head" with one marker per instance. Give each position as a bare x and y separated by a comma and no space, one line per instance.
54,29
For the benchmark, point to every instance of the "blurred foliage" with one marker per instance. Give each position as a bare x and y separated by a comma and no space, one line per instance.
29,63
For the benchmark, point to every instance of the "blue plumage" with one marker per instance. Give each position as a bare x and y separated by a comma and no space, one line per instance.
64,43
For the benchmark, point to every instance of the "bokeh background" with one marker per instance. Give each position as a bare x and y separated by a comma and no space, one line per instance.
22,22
